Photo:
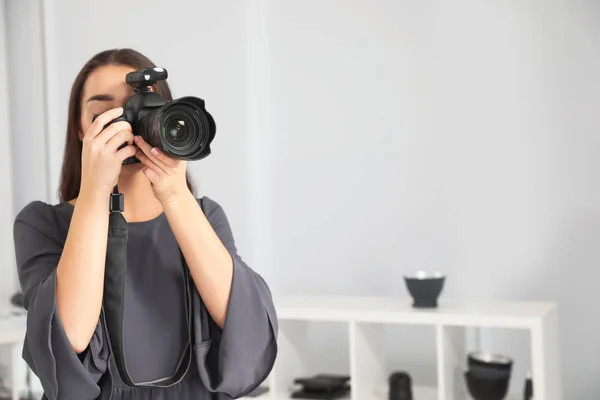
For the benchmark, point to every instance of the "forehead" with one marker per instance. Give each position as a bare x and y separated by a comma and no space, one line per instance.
109,80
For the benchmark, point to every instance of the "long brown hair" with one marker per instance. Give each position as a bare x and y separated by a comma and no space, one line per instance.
70,177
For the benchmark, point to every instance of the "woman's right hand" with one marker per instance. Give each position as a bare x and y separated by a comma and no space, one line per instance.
101,158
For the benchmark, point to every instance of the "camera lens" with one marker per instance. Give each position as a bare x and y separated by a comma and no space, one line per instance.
187,129
178,131
181,128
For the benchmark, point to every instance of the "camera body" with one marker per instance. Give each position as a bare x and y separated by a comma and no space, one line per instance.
181,128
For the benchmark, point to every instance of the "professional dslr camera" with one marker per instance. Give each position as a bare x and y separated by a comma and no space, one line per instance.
181,128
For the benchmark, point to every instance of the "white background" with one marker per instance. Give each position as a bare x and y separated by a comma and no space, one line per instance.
7,270
360,140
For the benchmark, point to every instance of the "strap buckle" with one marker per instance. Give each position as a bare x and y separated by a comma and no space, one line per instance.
117,201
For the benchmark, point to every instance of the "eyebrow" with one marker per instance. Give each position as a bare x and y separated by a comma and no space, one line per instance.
101,97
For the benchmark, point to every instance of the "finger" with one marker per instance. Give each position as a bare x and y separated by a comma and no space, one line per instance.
162,157
142,144
103,119
149,162
126,152
147,150
119,138
151,175
112,130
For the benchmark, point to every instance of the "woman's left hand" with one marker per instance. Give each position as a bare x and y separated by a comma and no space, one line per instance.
166,174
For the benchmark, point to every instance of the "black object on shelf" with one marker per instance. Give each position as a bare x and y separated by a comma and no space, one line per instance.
319,395
487,388
528,389
488,376
491,365
322,386
425,288
400,386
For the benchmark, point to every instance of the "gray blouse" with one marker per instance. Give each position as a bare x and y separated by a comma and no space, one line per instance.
228,362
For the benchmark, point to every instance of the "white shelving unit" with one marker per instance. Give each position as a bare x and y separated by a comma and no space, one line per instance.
366,319
13,323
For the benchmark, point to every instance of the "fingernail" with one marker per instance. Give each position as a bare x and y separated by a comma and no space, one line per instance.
136,138
155,151
119,110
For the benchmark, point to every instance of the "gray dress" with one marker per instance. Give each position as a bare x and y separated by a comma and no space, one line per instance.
228,362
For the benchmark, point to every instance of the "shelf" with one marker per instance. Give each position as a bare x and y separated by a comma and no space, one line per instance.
399,310
419,393
365,321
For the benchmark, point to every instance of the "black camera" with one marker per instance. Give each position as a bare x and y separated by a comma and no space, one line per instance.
181,128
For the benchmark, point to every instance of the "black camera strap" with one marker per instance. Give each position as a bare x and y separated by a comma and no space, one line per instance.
113,302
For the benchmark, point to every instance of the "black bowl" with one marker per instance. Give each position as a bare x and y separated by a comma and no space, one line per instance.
490,364
425,288
487,388
479,371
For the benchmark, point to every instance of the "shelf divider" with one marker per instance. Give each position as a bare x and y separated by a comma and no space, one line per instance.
291,360
367,359
451,362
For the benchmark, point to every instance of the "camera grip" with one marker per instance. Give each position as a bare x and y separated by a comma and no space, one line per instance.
121,118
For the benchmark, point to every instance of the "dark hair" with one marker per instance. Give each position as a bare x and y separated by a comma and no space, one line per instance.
70,177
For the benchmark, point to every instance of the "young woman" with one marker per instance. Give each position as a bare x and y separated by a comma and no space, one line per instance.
61,254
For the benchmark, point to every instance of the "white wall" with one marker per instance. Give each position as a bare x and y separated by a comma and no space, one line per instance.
22,130
433,136
373,138
460,136
8,276
26,93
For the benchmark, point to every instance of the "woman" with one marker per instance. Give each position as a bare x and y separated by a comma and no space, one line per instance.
61,253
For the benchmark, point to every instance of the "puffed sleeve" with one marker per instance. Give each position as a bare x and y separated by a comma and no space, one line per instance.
236,359
63,373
